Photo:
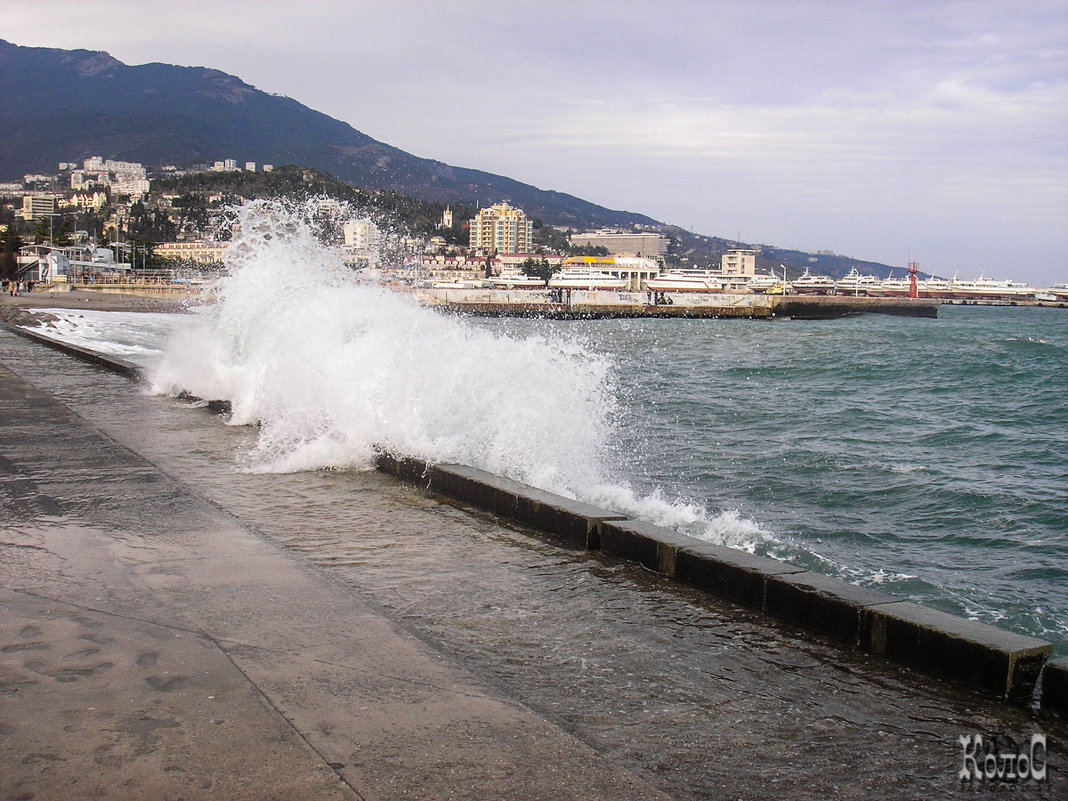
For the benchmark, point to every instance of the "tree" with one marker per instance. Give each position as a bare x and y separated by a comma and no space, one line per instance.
42,230
10,242
539,268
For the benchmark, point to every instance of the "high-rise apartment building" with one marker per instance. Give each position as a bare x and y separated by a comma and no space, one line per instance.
502,229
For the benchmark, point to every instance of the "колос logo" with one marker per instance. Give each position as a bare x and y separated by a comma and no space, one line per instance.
988,760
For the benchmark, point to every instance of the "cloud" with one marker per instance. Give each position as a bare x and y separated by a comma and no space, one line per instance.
843,124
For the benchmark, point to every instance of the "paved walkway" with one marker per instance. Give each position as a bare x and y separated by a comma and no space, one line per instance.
172,628
194,660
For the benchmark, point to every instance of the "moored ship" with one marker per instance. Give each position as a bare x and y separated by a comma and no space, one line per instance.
856,284
579,278
983,288
686,281
808,284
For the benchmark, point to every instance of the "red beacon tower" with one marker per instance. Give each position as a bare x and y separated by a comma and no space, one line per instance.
914,268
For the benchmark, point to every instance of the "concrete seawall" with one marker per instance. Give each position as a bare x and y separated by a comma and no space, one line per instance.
179,292
998,663
596,305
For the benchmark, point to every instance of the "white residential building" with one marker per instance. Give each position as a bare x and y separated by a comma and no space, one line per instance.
131,186
361,235
738,261
198,251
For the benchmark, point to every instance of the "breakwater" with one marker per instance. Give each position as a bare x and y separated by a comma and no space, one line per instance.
998,663
591,305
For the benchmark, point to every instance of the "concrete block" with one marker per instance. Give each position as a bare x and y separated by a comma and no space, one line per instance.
983,657
403,467
822,603
477,487
1055,686
574,522
654,547
736,575
112,363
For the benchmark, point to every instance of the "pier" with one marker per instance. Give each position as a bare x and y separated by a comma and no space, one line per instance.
600,305
175,627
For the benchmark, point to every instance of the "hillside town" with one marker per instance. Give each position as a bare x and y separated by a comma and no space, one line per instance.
87,222
106,221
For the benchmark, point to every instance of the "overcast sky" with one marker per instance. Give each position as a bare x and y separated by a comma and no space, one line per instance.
873,129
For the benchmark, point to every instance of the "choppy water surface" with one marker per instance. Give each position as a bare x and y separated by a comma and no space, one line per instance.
925,457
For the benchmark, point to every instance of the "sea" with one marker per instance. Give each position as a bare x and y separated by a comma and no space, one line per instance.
926,458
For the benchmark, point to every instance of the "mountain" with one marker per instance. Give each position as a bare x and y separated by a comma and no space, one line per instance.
65,105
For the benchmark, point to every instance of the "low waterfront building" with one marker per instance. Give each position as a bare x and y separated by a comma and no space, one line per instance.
49,264
634,269
515,261
623,243
196,251
455,269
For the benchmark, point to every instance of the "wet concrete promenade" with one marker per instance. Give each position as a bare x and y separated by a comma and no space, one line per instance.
175,627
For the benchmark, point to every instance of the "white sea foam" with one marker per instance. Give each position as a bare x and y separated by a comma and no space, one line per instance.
331,368
137,336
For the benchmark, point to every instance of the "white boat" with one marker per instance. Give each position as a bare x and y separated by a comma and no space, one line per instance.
458,284
586,279
766,284
686,281
891,287
983,288
932,288
1059,291
856,284
514,279
809,284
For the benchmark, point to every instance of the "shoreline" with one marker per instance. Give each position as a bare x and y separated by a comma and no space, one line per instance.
23,310
91,299
995,662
